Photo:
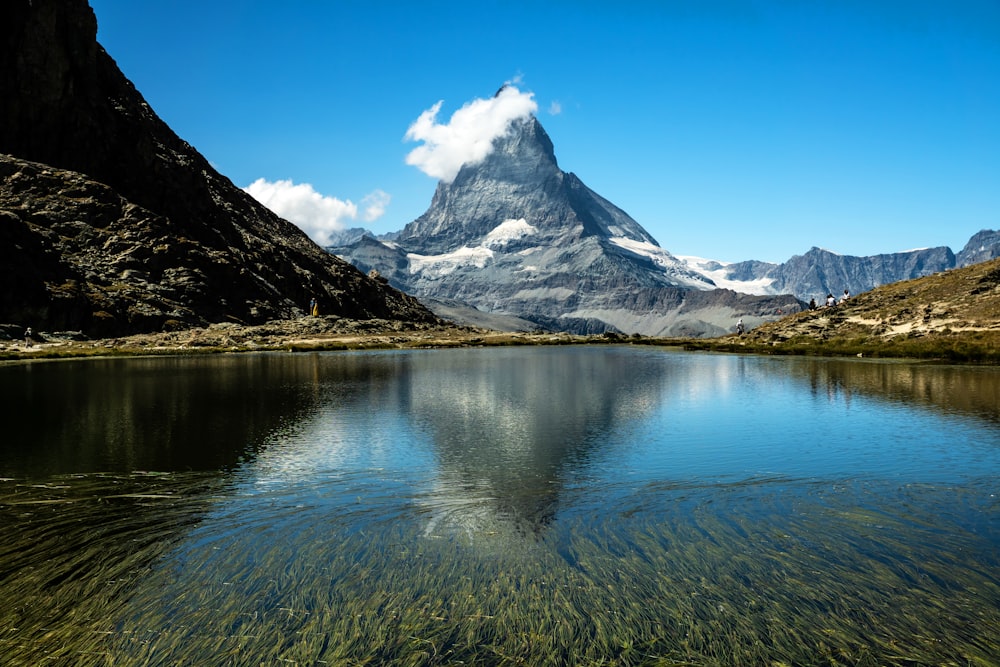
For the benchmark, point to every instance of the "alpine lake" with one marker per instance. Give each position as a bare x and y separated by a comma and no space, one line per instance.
577,505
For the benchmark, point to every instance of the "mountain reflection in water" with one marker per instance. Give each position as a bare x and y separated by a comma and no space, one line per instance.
491,434
156,413
492,505
962,390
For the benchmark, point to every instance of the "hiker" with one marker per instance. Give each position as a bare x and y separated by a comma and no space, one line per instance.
739,327
27,337
844,298
812,303
313,307
830,301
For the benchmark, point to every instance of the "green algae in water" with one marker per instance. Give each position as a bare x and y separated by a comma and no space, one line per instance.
538,507
141,570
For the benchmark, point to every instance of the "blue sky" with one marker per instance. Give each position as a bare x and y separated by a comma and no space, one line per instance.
728,129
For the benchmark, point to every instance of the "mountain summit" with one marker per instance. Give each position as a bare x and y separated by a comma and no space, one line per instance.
520,176
513,234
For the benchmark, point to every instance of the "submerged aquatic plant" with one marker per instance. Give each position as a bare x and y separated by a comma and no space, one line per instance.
171,569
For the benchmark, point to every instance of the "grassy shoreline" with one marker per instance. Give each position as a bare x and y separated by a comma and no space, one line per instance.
973,347
981,347
202,341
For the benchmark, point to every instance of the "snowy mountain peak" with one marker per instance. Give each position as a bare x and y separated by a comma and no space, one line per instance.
513,234
520,179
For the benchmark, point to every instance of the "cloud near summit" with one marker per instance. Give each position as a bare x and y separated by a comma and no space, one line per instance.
316,214
468,136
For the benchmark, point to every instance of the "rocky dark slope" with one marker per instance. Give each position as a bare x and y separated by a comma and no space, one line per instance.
110,223
76,255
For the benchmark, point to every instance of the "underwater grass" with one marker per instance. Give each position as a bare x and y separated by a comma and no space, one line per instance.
107,571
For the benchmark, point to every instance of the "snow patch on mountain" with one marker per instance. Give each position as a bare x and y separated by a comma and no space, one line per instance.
718,273
671,265
507,231
442,265
435,266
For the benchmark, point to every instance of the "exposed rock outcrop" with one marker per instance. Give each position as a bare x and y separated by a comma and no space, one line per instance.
819,272
129,228
78,256
515,235
983,246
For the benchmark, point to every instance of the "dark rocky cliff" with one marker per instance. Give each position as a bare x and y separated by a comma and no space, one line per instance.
130,228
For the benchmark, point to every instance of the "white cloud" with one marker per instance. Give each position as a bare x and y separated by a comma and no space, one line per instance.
468,136
316,214
555,108
375,205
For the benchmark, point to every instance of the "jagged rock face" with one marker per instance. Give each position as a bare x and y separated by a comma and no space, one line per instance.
64,103
76,255
820,272
516,235
520,179
983,246
747,271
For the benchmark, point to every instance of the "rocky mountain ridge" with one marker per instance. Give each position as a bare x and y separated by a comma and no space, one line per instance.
819,272
112,224
983,246
516,236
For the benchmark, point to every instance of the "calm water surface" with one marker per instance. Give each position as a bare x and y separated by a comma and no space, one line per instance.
591,505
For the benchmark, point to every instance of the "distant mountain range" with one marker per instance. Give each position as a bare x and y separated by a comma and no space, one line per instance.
820,272
516,241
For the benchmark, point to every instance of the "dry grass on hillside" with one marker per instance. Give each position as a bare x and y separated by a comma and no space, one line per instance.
301,335
953,315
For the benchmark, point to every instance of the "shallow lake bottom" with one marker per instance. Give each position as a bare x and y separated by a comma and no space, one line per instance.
576,536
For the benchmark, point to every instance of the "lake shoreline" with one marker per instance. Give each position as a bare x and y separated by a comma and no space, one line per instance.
298,335
331,333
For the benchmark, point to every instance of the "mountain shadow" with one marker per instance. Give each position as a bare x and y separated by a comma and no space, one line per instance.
112,224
